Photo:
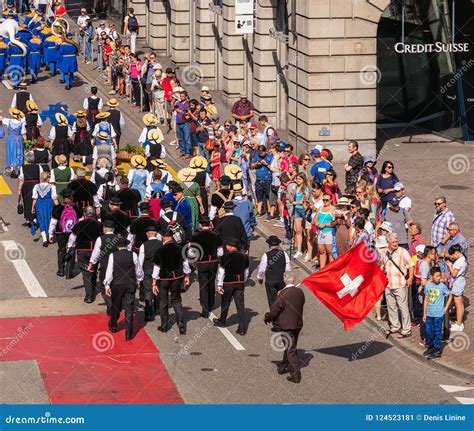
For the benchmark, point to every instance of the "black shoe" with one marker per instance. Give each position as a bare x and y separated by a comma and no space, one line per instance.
282,370
112,329
182,330
218,323
241,331
163,329
26,224
205,314
128,337
429,351
45,244
275,329
69,276
60,273
435,355
88,300
62,81
293,379
149,318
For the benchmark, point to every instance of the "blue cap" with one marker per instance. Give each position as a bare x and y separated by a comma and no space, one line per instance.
394,202
368,159
315,152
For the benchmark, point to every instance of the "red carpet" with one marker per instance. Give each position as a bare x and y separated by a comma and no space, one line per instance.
82,363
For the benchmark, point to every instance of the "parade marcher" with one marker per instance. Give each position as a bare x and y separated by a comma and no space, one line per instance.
82,240
129,197
50,52
273,266
28,178
170,276
103,247
14,140
202,179
62,174
146,257
172,220
231,277
34,57
64,217
218,198
287,312
116,120
92,105
84,191
122,276
138,176
244,210
103,126
19,99
103,149
192,194
60,136
17,63
3,55
82,140
230,227
108,188
33,121
44,199
138,227
205,244
180,204
119,218
153,147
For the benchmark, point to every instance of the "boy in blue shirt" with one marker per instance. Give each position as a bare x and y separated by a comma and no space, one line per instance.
433,313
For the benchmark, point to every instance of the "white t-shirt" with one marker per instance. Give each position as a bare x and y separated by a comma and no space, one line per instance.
461,266
82,21
405,202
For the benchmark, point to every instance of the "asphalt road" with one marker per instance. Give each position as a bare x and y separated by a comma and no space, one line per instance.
359,366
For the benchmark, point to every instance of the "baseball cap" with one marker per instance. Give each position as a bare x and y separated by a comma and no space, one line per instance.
394,202
253,126
205,88
315,152
398,186
420,248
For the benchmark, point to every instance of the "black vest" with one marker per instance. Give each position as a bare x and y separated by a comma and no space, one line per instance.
138,228
234,264
107,246
276,263
31,119
200,179
31,173
155,151
170,259
150,248
41,156
208,241
21,98
124,269
88,231
114,120
93,104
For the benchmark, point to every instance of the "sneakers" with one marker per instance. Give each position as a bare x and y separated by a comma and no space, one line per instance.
429,351
457,328
297,255
435,355
279,224
307,257
268,218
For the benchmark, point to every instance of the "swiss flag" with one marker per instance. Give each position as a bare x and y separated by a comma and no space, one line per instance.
350,285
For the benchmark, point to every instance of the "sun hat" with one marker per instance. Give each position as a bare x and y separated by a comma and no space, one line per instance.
205,88
369,159
16,113
155,136
186,174
198,163
398,186
150,120
420,248
113,102
103,135
80,113
343,202
386,226
61,119
138,161
60,159
31,106
233,171
381,242
103,115
159,163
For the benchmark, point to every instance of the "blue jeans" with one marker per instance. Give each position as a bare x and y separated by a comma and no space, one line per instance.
434,332
184,139
88,53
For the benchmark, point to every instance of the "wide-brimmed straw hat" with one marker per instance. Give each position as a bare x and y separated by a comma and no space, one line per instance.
31,106
138,161
155,136
60,159
80,113
159,163
61,119
150,120
186,174
103,115
198,163
113,102
16,113
233,171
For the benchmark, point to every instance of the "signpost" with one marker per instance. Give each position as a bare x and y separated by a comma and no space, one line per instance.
244,16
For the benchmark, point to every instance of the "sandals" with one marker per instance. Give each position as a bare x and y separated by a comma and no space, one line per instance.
406,335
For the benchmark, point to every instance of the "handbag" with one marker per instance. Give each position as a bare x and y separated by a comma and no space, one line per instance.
407,275
19,208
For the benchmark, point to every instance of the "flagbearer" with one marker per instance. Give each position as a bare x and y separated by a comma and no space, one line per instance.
273,265
287,311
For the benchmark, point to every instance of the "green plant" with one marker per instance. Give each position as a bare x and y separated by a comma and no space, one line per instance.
29,144
134,149
128,148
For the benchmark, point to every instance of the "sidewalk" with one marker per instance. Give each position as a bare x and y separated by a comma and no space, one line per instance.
412,163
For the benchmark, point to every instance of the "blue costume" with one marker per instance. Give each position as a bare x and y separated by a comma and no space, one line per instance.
16,64
10,13
3,54
24,35
68,62
43,207
139,179
14,143
34,57
243,209
104,126
50,50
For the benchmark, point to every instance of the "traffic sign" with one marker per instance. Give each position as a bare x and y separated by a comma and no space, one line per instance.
243,24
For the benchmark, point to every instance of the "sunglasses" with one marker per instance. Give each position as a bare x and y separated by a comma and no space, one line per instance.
306,160
326,200
389,167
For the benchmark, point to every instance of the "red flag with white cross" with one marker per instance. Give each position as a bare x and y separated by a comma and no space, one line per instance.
350,285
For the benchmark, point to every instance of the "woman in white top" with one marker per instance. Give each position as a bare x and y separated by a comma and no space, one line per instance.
458,271
44,199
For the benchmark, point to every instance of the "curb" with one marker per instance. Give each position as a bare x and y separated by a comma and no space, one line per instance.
461,373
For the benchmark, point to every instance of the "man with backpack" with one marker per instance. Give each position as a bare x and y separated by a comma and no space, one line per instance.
269,133
131,27
400,220
221,196
174,222
65,216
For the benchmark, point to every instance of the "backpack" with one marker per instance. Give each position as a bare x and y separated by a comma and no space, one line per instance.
68,220
175,228
221,211
133,23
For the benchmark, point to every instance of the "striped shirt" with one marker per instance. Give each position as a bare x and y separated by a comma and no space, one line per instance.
439,228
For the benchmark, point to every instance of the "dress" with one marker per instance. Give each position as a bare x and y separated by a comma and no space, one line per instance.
44,193
31,177
190,191
14,142
139,180
82,141
62,178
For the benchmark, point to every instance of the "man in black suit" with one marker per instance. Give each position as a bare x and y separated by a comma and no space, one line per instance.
230,227
287,311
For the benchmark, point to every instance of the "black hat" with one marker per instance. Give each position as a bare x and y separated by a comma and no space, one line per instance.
232,241
273,240
168,234
166,203
151,228
123,241
115,201
204,220
66,193
176,189
169,70
144,205
225,180
109,223
229,205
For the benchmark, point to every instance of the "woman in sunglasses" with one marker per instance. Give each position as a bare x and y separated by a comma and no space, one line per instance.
385,183
325,222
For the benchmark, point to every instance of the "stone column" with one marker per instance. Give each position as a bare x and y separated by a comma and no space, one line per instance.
180,46
205,46
157,29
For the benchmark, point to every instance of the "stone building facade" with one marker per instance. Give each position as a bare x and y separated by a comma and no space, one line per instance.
318,81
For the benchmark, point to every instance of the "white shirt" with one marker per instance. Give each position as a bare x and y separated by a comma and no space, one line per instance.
149,191
14,100
221,276
405,202
131,173
15,123
101,29
85,105
162,154
264,263
109,273
41,189
82,21
74,127
95,256
461,266
101,191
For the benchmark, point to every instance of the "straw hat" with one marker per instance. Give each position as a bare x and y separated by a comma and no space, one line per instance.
103,115
80,113
138,161
199,163
16,113
159,163
61,119
103,135
343,202
23,85
60,159
155,136
113,103
186,174
150,120
31,106
233,171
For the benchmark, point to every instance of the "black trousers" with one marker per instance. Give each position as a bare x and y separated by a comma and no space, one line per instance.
151,301
205,200
101,288
290,356
68,267
235,291
207,284
171,288
272,288
123,296
89,278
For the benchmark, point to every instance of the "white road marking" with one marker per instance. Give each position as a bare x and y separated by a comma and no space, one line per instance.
24,271
463,400
5,228
450,388
7,85
230,338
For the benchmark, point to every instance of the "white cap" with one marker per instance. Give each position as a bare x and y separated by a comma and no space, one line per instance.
398,186
420,248
178,89
381,242
205,88
319,148
157,66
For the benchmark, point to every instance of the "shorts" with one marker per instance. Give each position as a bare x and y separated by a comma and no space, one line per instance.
458,286
299,212
262,189
273,195
325,237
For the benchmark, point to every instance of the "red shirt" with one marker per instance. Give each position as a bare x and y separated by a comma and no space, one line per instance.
417,240
166,84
